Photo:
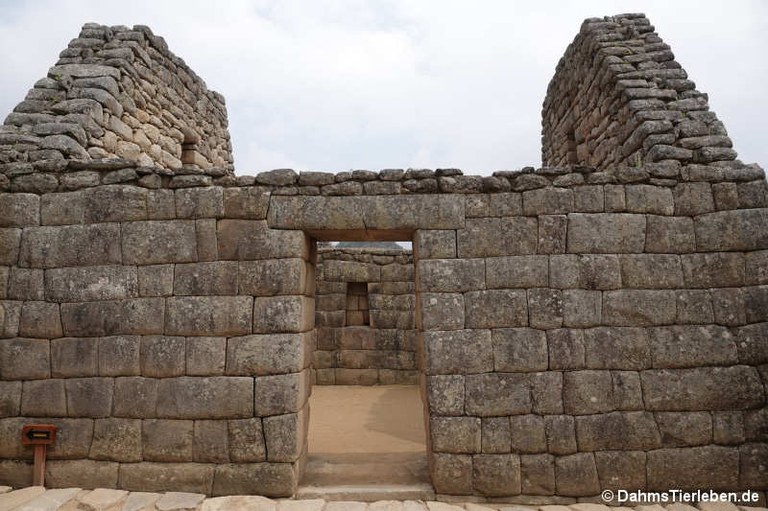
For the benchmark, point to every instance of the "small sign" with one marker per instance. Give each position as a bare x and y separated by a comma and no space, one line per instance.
38,434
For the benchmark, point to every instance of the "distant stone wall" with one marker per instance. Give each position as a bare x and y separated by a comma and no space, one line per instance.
114,94
381,347
619,97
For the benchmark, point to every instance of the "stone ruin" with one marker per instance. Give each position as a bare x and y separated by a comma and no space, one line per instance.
597,323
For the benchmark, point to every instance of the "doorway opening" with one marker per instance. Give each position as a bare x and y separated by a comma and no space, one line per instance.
367,426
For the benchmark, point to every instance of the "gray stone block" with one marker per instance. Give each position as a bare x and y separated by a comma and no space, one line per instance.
156,280
215,397
496,474
582,308
729,306
10,398
19,210
161,205
651,271
210,443
458,351
711,467
81,474
617,431
619,470
545,308
510,272
496,308
519,235
249,202
89,397
286,436
91,283
451,275
107,203
728,428
73,245
684,429
606,233
253,239
478,238
566,349
135,397
537,474
442,311
209,315
166,440
43,398
693,199
266,354
205,202
280,394
496,435
553,231
163,477
756,267
587,392
752,344
74,357
119,355
639,307
205,356
518,349
584,271
756,304
527,434
617,348
26,284
271,277
506,204
692,346
211,278
627,390
10,241
131,316
741,229
455,434
752,473
278,314
713,270
547,392
656,200
246,440
694,306
40,319
159,241
116,440
162,356
445,394
670,235
435,244
452,473
496,394
576,475
267,479
25,359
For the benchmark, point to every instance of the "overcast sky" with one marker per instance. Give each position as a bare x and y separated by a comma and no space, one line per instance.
340,85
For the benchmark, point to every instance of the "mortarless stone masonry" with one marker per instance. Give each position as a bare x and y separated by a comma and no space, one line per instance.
599,323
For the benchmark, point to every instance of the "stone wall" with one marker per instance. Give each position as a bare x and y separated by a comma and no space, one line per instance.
381,348
117,98
579,328
619,97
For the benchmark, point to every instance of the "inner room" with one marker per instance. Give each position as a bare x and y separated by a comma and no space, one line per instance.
366,424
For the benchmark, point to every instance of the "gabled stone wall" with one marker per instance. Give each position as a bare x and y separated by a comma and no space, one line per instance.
383,350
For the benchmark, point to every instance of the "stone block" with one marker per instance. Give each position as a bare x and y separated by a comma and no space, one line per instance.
246,440
619,470
439,244
694,306
252,239
163,477
740,229
712,467
75,245
713,270
752,470
606,233
455,434
547,201
280,394
547,392
693,199
10,241
527,434
26,284
752,344
209,315
518,350
107,203
479,238
116,440
351,271
692,346
250,202
705,388
517,236
43,398
545,308
277,314
25,359
205,202
207,244
639,307
131,316
496,308
271,277
537,474
40,319
684,429
397,272
91,283
669,235
584,271
576,475
135,397
458,352
268,479
756,425
10,398
210,444
445,394
119,355
587,392
617,431
156,280
582,308
727,428
442,311
81,474
649,271
452,473
451,275
162,356
10,446
617,348
496,435
755,304
511,272
627,391
205,356
215,397
286,436
210,278
495,394
161,205
157,242
74,357
552,234
19,210
166,440
756,267
729,306
506,204
657,200
588,199
566,349
89,397
496,474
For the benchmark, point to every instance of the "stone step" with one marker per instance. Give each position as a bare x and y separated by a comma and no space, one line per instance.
366,469
368,493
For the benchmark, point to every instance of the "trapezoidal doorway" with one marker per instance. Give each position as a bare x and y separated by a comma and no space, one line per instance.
367,434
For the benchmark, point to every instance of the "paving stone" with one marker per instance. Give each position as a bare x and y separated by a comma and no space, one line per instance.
51,500
138,501
255,503
19,497
101,499
177,501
